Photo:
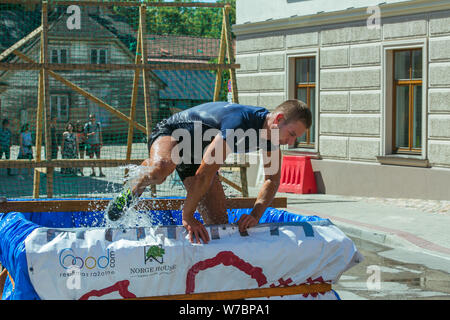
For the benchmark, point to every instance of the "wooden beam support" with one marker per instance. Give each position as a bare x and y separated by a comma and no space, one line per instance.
85,93
145,77
106,3
244,182
96,100
230,183
82,163
46,97
95,67
247,293
220,60
42,94
134,95
99,205
77,163
230,52
21,42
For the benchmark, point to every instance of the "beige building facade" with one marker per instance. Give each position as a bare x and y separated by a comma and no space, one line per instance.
377,79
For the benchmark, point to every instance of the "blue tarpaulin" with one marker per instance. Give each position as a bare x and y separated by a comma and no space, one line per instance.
16,226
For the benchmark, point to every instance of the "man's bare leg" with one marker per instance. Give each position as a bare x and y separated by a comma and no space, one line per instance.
157,168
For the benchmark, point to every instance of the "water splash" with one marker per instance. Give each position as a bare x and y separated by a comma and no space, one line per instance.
137,215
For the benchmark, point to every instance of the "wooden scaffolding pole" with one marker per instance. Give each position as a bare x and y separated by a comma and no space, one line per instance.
42,93
145,77
47,111
124,66
134,95
220,60
21,42
96,100
230,52
226,49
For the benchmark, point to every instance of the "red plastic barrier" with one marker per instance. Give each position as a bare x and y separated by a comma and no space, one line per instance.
297,175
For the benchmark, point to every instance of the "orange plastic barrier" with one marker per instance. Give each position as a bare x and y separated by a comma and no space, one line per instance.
297,175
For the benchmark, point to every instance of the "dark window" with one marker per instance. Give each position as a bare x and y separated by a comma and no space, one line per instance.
407,115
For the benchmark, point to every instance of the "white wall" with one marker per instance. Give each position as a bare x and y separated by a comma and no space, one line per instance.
262,10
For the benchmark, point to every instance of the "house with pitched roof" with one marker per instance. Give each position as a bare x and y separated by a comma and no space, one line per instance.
103,38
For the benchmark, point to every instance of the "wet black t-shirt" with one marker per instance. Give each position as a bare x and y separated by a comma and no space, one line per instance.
239,125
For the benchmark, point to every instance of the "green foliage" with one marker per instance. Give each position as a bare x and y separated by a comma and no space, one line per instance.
192,21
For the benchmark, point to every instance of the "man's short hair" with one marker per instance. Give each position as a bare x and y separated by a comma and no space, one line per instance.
295,110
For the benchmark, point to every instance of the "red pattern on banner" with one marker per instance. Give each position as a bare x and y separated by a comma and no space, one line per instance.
120,286
226,258
282,283
315,281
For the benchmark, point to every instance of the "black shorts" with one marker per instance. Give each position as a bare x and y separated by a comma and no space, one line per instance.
163,128
82,146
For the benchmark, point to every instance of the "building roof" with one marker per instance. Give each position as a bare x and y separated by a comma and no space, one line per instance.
15,25
182,47
187,84
98,24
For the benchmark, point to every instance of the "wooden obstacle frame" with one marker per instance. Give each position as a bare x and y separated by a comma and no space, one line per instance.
167,204
140,66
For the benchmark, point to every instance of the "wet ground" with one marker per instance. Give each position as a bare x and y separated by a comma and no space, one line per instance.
393,274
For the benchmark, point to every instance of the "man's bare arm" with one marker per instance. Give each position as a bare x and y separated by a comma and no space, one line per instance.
214,156
272,165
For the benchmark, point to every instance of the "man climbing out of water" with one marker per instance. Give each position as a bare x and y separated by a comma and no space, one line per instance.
196,142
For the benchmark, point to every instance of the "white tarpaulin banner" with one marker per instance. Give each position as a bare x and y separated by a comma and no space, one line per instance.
101,263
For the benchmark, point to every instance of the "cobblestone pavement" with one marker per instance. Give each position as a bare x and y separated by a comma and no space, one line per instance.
430,206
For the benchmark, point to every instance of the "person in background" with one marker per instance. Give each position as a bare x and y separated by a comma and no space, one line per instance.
5,142
69,148
25,144
81,140
54,139
94,141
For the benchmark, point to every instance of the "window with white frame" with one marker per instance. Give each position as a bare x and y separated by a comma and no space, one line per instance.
99,56
59,106
59,55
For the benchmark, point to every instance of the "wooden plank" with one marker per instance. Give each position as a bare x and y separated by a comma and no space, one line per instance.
134,95
244,183
230,183
146,78
96,100
230,53
99,205
39,115
21,42
86,163
236,165
85,93
145,75
220,60
232,203
78,163
129,66
46,97
247,293
43,91
106,3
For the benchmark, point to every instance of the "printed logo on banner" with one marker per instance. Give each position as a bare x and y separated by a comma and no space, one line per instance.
86,266
154,253
154,263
